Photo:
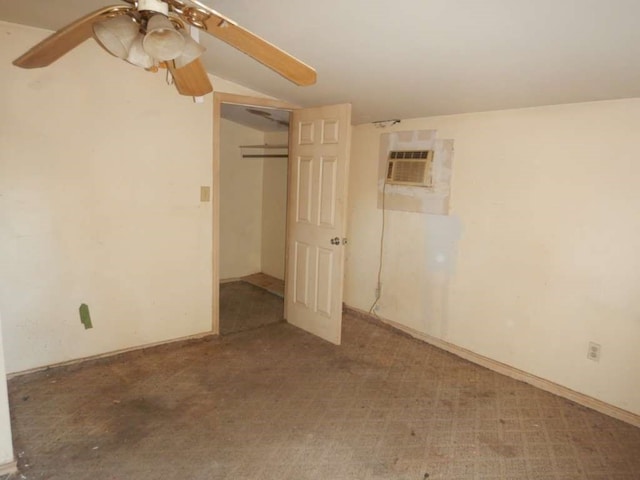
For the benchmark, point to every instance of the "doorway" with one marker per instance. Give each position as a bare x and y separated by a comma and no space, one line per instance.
253,204
319,145
252,163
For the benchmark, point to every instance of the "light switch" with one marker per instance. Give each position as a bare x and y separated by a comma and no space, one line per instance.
205,194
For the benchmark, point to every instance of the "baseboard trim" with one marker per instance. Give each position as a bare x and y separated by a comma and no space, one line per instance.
8,468
230,280
115,353
509,371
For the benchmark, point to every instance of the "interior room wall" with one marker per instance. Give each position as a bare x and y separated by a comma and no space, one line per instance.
6,445
241,196
539,254
101,165
274,209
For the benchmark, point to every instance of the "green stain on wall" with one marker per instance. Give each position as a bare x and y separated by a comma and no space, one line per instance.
85,318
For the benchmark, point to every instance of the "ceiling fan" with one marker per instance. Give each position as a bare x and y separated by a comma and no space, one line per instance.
154,34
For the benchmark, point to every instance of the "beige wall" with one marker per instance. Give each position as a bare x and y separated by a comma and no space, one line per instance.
253,196
240,202
547,199
6,446
274,209
101,165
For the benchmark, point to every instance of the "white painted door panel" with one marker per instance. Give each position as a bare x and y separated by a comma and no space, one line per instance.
319,159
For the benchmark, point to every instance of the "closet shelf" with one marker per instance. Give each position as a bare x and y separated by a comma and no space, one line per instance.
265,147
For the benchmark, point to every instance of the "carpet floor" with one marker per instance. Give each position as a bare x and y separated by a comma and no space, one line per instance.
277,403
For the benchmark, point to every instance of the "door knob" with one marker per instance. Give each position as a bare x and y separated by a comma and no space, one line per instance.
335,241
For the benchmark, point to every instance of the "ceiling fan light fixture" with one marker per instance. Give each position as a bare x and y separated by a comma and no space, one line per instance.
116,34
192,51
162,41
138,56
153,6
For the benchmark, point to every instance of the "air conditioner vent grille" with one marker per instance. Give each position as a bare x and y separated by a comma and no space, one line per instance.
415,154
410,167
409,171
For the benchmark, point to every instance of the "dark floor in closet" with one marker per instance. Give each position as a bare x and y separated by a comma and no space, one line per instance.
245,307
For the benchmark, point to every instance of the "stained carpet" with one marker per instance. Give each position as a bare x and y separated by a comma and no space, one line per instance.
278,403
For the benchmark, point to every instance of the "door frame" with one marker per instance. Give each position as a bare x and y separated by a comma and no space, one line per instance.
218,99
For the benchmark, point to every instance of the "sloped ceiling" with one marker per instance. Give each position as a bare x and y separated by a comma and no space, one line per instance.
416,58
263,119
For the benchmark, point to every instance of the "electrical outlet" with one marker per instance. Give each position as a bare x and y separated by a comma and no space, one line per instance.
593,353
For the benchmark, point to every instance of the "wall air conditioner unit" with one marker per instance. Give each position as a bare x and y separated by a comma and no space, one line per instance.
413,167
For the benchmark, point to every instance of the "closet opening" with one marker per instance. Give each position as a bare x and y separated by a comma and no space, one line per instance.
253,177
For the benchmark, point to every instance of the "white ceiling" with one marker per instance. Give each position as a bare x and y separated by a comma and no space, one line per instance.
415,58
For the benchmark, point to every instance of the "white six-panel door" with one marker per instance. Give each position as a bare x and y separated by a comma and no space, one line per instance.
319,160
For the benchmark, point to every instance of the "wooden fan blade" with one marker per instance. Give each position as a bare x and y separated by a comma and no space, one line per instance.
66,39
191,80
269,55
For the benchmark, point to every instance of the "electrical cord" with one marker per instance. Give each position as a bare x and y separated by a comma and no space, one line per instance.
378,289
